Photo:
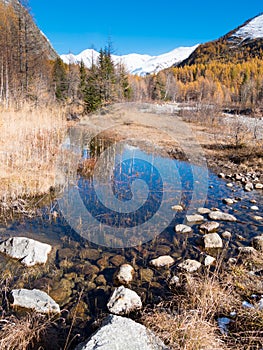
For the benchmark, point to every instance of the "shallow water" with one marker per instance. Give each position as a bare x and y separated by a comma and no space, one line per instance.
123,214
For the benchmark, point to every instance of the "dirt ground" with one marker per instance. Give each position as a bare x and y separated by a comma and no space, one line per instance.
166,131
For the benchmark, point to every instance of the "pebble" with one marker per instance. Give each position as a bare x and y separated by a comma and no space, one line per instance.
190,265
162,261
183,228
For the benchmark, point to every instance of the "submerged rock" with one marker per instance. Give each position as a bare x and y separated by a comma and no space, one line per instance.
124,301
124,275
183,228
190,265
118,333
164,260
194,218
34,299
219,215
228,201
209,226
177,208
203,211
28,251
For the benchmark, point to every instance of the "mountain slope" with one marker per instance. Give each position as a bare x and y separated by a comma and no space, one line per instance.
136,64
238,45
36,40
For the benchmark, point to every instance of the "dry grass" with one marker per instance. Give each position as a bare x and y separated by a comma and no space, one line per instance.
22,333
29,144
188,320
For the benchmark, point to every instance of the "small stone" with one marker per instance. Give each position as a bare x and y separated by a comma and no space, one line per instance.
117,260
177,208
253,201
34,299
228,201
183,228
232,261
125,274
190,265
100,281
161,261
203,211
218,215
259,186
209,226
258,218
249,187
254,207
194,218
174,281
229,184
221,175
213,240
226,234
124,301
209,260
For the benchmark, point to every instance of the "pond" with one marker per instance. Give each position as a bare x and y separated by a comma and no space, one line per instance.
118,208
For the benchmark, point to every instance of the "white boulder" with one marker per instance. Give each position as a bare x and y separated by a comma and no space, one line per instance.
118,333
28,251
34,299
124,301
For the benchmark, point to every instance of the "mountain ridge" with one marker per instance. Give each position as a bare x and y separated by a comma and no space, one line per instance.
239,44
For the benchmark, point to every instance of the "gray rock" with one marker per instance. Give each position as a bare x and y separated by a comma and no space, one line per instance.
209,226
203,211
190,265
34,299
254,207
249,187
177,208
228,201
125,274
194,218
161,261
183,228
219,215
209,260
226,234
119,333
213,240
124,301
28,251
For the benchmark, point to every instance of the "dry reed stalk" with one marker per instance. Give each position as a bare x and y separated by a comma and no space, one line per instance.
29,143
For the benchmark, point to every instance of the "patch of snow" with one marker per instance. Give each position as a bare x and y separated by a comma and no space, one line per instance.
135,64
252,30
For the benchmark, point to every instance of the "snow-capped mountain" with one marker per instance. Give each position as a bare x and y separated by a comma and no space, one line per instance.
240,44
252,29
135,64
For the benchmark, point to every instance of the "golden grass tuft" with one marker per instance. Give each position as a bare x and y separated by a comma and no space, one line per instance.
29,143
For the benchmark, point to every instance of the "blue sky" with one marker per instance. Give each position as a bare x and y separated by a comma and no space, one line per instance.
151,27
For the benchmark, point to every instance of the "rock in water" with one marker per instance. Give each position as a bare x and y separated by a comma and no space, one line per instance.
28,251
194,218
124,275
213,240
183,228
209,226
124,301
119,333
219,215
257,243
164,260
34,299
